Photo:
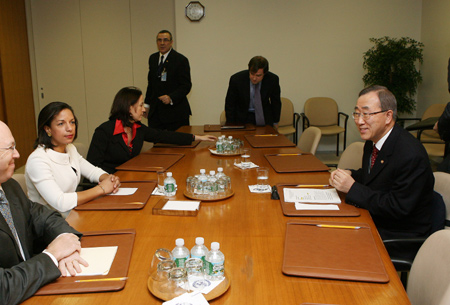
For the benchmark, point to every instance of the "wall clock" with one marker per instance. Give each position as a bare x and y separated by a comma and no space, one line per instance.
195,11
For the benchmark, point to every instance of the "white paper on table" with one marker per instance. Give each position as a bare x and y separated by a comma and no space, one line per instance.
202,285
99,259
255,189
124,191
247,166
187,205
193,298
322,207
310,195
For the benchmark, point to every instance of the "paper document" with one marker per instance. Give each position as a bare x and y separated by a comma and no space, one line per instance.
306,195
188,205
313,207
124,191
99,259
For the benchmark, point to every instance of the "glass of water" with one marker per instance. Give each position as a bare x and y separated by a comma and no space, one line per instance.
160,255
262,176
245,158
195,274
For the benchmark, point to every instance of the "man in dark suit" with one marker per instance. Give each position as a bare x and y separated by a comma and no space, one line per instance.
169,82
395,183
37,244
253,95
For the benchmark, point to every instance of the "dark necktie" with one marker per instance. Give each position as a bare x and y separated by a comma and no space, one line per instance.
374,156
6,212
259,114
160,66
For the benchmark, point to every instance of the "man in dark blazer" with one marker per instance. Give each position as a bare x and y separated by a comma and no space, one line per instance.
169,82
32,260
241,103
395,184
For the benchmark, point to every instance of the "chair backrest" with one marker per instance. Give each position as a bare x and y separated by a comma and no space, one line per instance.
442,186
309,140
429,278
223,118
434,110
21,179
81,148
351,158
321,111
287,113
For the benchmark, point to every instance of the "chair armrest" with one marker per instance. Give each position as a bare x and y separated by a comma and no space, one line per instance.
345,116
296,120
305,121
404,264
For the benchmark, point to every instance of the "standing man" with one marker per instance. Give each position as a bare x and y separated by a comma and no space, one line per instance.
169,81
395,183
254,95
35,241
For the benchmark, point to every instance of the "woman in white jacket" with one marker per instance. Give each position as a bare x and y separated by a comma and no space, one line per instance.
54,169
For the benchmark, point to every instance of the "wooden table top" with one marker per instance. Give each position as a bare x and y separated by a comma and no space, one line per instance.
249,227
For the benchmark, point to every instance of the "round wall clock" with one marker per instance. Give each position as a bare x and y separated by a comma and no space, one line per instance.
195,11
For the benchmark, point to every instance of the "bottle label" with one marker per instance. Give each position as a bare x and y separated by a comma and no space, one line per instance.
219,147
180,261
169,187
215,269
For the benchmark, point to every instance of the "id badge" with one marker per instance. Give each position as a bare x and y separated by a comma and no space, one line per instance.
164,76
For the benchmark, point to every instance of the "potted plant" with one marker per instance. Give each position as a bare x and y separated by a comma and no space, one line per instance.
392,63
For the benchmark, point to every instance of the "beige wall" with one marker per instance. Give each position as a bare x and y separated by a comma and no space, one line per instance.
314,46
436,37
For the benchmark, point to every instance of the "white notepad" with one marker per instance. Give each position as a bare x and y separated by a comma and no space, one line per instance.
99,259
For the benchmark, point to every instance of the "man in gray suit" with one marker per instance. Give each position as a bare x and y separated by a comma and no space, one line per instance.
37,244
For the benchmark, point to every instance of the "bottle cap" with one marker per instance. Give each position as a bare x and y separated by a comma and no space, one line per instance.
199,241
202,171
212,173
220,169
215,246
169,174
179,242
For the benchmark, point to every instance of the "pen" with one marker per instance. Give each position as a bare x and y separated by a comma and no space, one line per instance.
266,135
313,185
339,227
105,279
284,155
134,203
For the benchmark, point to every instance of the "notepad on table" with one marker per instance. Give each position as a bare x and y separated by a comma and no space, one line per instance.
125,191
187,205
314,207
99,259
311,195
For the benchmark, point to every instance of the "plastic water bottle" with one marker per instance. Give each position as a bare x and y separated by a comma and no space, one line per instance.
212,178
170,186
180,252
199,250
215,263
219,145
201,182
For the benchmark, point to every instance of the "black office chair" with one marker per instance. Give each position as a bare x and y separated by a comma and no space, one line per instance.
410,246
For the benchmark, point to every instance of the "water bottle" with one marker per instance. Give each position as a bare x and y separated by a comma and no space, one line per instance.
212,178
199,250
180,253
215,263
219,172
219,145
231,144
201,182
170,186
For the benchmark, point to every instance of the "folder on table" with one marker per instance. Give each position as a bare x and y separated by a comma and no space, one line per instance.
289,207
192,145
229,127
295,163
124,239
135,201
337,251
151,162
269,140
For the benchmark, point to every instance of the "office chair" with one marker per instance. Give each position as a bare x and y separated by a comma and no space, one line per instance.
351,157
322,112
430,273
288,119
309,140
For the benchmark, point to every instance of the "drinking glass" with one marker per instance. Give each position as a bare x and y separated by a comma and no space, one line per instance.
195,274
160,255
161,177
177,283
262,178
245,158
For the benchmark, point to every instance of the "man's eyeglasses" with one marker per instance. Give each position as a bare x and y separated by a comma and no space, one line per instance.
365,116
163,40
12,148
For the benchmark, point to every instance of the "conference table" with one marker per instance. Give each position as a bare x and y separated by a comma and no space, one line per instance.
250,228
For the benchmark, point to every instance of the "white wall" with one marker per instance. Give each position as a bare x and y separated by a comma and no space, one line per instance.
315,47
436,37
